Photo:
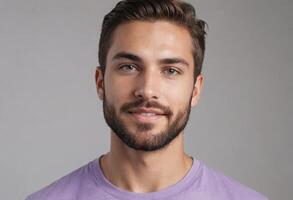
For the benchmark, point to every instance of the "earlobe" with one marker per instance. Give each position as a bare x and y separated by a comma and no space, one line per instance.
99,82
197,90
194,99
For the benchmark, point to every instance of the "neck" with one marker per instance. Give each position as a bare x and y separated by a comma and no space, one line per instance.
140,171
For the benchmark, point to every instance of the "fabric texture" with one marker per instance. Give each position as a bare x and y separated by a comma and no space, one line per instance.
201,182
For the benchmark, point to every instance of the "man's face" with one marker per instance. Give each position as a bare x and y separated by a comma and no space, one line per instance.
148,87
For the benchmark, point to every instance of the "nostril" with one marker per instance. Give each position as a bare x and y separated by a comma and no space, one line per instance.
146,93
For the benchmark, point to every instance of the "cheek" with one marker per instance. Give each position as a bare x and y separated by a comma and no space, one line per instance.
116,91
179,95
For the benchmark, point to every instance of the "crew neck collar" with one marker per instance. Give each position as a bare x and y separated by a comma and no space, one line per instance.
122,194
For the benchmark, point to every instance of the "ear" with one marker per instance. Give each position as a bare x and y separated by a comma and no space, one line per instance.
197,90
100,82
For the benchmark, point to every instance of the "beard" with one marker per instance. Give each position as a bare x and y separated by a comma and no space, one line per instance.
142,139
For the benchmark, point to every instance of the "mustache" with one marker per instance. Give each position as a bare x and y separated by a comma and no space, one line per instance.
146,104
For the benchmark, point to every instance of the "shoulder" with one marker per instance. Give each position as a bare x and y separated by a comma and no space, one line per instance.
225,187
67,186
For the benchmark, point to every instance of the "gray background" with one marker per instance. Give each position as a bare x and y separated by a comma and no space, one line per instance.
51,120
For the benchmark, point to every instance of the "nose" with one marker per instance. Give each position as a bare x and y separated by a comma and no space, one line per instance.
147,86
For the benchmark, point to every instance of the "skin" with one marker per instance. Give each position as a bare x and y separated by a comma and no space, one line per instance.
169,84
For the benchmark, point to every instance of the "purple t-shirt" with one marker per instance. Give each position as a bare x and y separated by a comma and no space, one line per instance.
201,182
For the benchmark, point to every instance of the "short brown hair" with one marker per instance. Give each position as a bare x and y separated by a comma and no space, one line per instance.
175,11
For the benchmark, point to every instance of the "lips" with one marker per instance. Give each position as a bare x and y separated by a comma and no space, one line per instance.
145,115
146,111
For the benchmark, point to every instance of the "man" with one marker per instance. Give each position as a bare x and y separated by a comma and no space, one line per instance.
151,54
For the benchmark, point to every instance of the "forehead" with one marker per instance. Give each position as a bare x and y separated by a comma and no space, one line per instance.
152,40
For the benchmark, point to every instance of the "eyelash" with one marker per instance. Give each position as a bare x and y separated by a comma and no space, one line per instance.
177,72
122,67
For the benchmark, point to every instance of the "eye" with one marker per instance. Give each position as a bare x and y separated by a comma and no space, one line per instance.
127,67
172,71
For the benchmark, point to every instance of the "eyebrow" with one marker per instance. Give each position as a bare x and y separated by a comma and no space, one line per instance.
138,59
128,56
174,61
